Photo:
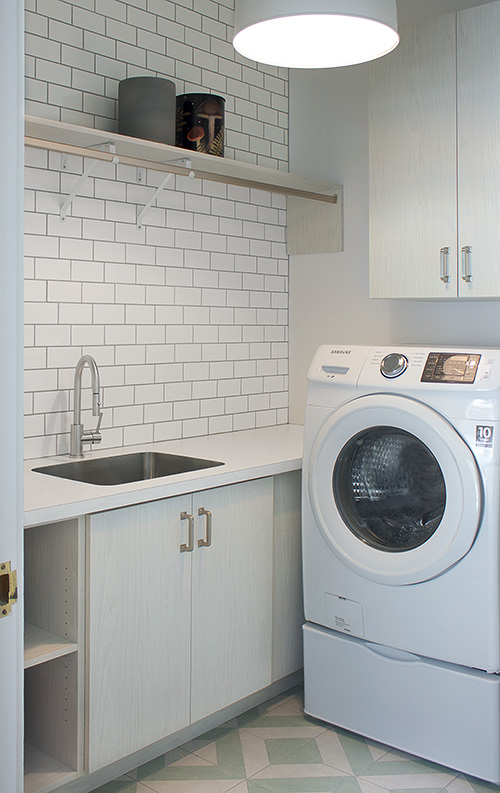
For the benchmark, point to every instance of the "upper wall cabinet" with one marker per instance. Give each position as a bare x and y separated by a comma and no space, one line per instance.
434,160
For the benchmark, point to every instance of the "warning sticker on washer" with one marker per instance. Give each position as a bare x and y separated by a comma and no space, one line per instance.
484,435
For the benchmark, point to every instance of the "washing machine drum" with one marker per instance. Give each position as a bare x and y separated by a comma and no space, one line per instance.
394,489
389,489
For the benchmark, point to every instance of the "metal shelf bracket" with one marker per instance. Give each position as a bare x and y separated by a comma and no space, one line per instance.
168,178
111,148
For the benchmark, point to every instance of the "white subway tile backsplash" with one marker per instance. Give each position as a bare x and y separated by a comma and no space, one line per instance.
177,391
71,313
157,411
52,335
84,335
35,291
40,313
187,316
193,427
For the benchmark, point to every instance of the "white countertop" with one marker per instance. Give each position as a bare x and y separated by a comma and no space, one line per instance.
250,454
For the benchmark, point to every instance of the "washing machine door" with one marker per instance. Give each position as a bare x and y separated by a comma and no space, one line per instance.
394,489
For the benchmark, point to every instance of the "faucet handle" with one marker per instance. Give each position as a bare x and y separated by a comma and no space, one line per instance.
96,403
93,436
98,427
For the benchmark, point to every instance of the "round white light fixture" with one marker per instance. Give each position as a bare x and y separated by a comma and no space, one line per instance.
315,34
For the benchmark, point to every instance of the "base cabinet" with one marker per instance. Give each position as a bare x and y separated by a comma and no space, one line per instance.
146,620
180,611
138,631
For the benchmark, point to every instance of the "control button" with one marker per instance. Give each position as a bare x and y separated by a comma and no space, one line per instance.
393,365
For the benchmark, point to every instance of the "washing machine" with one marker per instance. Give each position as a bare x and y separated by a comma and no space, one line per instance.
401,557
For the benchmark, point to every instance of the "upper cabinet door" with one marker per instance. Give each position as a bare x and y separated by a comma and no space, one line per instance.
478,47
413,205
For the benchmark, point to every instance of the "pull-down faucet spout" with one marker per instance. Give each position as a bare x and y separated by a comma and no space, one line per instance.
78,435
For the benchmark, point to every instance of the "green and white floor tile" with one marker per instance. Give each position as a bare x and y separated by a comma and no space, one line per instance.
275,748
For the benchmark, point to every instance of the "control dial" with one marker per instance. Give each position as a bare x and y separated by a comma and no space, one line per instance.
393,365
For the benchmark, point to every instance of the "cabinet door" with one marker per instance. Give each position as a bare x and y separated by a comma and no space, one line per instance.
232,596
139,595
413,164
478,48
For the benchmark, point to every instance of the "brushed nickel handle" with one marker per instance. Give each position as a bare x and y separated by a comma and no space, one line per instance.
444,260
208,535
466,262
190,543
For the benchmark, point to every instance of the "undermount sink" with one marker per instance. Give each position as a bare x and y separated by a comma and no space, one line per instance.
124,468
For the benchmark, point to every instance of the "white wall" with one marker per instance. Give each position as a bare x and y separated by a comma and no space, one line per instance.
329,301
187,317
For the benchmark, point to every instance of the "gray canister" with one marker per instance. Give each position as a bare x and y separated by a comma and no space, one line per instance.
146,109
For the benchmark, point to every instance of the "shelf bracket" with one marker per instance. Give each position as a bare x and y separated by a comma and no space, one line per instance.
111,147
168,178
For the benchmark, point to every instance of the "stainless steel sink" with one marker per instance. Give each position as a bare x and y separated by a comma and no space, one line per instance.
126,468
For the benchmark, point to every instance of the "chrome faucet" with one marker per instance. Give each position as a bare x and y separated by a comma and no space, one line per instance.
79,436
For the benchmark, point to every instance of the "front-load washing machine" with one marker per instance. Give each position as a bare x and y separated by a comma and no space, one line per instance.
401,525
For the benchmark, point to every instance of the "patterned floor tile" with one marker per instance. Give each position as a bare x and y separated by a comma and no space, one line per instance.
317,784
189,786
298,771
400,771
468,784
347,752
276,748
293,698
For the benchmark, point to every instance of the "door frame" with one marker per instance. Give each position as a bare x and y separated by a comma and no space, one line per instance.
11,389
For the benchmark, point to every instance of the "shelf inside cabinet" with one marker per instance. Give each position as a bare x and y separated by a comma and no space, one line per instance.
315,208
41,645
42,771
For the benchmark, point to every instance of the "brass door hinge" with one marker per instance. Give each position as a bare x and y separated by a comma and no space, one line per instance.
8,588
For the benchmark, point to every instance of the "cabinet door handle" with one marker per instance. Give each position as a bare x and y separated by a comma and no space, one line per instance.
466,262
208,536
445,271
190,543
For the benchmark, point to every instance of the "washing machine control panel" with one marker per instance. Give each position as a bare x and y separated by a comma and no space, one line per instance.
450,367
393,365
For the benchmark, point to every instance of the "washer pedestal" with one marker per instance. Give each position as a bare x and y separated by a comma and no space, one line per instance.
442,712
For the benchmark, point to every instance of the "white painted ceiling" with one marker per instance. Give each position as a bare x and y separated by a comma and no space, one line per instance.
414,10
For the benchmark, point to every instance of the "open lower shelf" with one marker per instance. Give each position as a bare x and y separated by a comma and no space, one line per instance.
41,645
42,771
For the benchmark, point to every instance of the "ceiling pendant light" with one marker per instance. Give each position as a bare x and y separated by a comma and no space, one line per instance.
315,34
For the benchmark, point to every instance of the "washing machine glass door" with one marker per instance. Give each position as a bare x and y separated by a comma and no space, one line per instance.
389,489
394,489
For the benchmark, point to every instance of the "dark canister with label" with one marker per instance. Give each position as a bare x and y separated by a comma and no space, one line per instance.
146,109
200,123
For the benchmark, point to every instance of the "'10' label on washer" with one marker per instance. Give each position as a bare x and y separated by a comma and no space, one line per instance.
484,435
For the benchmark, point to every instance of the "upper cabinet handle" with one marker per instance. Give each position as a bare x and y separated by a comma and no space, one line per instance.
208,536
445,258
466,263
190,543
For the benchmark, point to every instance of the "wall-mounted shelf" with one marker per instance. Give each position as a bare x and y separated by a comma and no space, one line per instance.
314,208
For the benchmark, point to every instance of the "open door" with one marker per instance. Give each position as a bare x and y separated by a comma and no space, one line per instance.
11,397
